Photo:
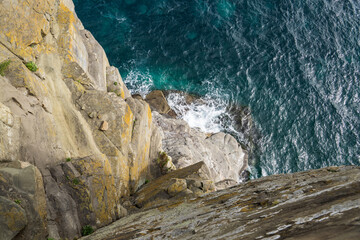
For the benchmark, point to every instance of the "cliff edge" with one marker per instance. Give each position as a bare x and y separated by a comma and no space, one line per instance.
75,146
78,153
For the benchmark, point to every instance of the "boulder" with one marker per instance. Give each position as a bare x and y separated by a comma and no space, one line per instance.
12,218
104,126
81,192
188,182
158,102
221,152
22,201
165,163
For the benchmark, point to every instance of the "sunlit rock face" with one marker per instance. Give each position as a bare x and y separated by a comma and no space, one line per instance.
76,150
53,117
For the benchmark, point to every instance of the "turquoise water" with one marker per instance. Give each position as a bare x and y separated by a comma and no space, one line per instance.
295,63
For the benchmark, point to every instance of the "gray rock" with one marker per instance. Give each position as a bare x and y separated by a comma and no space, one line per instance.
326,207
141,141
23,202
104,126
81,192
97,60
174,186
115,83
221,152
12,219
158,102
9,135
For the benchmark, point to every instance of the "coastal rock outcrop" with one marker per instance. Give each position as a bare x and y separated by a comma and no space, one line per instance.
57,92
78,152
188,182
71,117
316,204
220,152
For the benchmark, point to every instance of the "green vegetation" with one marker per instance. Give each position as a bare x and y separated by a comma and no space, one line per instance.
50,239
163,159
31,66
87,230
147,181
68,159
75,181
3,66
17,201
115,83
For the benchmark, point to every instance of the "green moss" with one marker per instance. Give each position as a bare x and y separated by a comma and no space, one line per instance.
115,83
50,239
87,230
3,66
31,66
17,201
147,181
68,159
75,181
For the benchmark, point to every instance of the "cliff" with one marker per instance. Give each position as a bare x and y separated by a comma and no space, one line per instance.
317,204
74,144
78,152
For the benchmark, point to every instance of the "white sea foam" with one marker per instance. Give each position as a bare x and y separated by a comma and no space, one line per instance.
139,82
205,113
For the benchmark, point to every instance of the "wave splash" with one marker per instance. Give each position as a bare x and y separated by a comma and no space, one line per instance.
203,113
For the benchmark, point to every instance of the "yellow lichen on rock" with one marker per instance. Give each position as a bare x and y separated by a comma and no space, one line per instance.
12,217
149,115
97,188
26,25
127,125
20,76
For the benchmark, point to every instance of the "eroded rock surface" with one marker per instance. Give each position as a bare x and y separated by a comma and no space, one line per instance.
220,152
72,107
75,146
22,202
317,204
188,182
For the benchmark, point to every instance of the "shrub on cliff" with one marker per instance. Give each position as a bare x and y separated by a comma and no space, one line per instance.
31,66
87,230
3,66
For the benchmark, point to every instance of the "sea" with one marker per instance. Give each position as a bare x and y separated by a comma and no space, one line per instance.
294,63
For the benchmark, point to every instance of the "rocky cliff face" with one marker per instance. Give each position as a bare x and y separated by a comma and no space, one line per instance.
74,144
317,204
78,152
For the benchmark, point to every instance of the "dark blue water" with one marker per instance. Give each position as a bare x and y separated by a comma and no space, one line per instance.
295,63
